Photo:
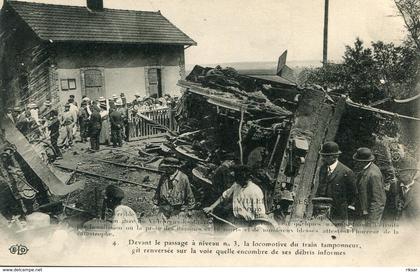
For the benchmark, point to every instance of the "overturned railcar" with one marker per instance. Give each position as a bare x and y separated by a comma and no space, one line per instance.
268,123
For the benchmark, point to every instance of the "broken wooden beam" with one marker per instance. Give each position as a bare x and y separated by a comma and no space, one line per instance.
77,209
105,177
368,108
223,220
132,166
39,167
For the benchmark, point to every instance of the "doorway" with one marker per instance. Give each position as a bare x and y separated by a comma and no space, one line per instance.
93,83
154,77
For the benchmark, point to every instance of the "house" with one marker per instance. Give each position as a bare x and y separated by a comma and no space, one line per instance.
53,51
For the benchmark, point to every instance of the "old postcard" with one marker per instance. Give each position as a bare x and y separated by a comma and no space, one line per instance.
210,133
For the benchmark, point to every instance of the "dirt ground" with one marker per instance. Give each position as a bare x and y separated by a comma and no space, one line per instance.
90,198
139,198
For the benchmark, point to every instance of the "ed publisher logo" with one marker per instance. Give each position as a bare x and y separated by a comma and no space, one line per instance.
18,249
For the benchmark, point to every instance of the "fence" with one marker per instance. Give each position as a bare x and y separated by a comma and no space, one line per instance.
140,128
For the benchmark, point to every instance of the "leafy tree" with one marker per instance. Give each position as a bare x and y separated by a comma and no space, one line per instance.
368,74
360,78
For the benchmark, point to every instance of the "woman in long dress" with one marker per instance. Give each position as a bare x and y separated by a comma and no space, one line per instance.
105,136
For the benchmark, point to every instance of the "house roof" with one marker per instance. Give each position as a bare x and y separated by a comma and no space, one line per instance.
61,23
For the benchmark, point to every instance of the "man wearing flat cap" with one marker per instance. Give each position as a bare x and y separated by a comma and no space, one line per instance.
336,181
371,187
174,194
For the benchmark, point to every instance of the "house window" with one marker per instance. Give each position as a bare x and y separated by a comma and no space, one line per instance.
68,84
72,84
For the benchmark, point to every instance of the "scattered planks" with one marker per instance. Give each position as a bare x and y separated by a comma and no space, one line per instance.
105,177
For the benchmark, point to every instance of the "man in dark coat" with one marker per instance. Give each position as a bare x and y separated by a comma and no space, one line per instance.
371,187
54,128
336,181
95,126
84,120
409,192
117,124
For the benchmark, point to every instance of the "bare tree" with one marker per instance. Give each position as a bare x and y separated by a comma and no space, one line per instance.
410,12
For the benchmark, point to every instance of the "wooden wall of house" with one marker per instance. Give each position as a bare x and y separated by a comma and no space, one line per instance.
32,70
24,71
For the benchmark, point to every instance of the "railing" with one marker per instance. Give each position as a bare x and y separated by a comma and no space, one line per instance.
159,119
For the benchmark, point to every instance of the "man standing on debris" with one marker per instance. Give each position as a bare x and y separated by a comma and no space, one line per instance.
336,181
95,126
370,185
68,122
117,124
174,194
247,198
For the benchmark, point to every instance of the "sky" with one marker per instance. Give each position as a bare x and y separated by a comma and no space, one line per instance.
260,30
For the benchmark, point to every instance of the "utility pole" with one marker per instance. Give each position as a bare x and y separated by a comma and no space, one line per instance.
325,48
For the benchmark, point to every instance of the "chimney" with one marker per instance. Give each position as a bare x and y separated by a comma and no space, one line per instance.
95,5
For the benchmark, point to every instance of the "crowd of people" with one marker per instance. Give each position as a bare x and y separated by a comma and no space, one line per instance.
354,198
102,121
357,195
175,198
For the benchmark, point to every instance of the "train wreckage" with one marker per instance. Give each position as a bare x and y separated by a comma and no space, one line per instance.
267,122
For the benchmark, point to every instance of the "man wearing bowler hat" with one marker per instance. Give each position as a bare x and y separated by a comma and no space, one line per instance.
370,185
336,181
